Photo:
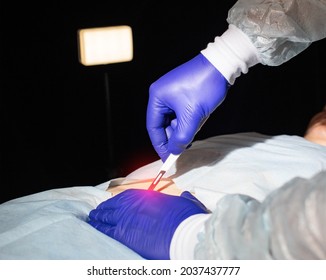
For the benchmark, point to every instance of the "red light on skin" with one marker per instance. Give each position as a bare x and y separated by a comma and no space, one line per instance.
151,194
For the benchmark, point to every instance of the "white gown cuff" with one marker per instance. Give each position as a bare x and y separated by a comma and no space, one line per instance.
185,239
232,53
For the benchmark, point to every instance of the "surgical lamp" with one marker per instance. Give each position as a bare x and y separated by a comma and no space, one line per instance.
101,46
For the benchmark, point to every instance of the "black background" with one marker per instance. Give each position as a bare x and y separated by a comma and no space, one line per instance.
54,111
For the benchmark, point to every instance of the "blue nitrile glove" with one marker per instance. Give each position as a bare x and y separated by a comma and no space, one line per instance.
180,102
143,220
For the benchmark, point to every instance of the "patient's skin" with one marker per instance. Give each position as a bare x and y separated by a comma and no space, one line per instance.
316,133
316,130
166,186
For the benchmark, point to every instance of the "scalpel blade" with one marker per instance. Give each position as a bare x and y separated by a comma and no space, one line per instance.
165,167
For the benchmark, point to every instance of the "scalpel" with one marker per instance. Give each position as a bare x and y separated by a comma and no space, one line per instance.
165,167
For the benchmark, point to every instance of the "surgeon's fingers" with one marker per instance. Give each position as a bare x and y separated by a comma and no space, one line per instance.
102,227
159,139
122,199
110,203
191,197
188,195
188,124
158,122
109,217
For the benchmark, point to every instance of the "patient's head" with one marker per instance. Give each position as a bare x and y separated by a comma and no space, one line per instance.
316,130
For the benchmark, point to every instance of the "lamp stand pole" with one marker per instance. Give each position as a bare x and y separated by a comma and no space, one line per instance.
110,138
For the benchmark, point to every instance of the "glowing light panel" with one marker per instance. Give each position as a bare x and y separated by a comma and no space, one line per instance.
105,45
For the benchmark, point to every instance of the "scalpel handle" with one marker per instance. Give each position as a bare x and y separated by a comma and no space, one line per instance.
169,162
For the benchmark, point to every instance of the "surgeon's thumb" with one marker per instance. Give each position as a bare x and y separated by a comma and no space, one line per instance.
190,196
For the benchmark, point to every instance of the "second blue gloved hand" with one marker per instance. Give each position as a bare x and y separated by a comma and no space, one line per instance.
180,102
145,221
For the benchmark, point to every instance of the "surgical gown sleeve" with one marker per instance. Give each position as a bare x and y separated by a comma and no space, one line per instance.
280,29
269,32
288,224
